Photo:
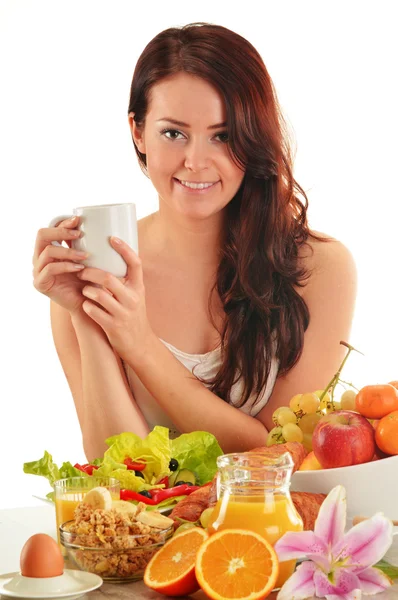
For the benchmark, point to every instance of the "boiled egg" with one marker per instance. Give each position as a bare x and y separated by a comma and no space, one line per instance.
41,557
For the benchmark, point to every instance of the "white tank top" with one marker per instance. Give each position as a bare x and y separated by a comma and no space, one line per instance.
206,366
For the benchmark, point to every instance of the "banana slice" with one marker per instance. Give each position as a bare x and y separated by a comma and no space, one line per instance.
126,508
155,519
99,497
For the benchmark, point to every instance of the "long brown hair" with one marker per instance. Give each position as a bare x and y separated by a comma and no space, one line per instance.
266,221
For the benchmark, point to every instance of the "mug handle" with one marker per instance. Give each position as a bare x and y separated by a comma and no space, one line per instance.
54,222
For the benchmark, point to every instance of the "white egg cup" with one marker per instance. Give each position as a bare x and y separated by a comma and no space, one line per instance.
71,584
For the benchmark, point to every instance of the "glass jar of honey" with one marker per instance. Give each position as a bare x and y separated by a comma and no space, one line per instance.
253,493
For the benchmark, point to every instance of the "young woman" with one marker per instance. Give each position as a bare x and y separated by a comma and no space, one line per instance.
233,305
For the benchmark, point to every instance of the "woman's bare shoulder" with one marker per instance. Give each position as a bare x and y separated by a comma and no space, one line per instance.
328,262
317,252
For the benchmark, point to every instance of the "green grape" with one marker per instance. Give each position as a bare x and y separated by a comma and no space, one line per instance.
294,403
276,413
307,441
292,433
347,400
184,527
206,516
275,437
286,416
309,403
308,423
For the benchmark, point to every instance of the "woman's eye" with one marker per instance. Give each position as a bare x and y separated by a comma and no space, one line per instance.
171,134
223,137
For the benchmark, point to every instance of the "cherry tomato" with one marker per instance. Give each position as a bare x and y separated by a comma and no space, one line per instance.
387,433
376,401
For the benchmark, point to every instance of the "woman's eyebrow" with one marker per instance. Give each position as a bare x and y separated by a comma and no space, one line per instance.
181,124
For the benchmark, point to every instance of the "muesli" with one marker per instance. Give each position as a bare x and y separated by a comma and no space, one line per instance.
116,543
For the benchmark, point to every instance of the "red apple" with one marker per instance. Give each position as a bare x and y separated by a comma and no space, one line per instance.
343,438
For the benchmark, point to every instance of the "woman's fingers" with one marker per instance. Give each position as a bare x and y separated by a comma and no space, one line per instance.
102,297
135,277
106,280
63,232
44,281
52,253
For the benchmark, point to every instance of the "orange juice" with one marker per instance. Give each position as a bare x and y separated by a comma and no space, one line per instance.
271,515
65,508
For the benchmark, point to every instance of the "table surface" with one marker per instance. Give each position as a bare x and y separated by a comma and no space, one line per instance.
18,524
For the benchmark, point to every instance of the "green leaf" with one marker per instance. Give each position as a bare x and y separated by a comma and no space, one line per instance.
129,481
68,470
109,466
44,466
197,452
154,450
388,569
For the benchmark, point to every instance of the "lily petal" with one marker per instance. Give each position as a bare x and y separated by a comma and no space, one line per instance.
331,520
355,595
373,581
300,585
365,544
339,582
300,544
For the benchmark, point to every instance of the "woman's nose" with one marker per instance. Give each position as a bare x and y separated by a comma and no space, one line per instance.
198,156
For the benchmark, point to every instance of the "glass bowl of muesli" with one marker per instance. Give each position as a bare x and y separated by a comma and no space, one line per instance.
116,544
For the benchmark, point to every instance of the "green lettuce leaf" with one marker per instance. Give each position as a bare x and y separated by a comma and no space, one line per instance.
197,452
68,470
108,466
129,481
154,450
44,466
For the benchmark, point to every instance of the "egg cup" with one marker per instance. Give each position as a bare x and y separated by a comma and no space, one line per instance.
70,585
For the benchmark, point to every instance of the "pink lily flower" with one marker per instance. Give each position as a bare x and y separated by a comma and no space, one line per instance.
339,565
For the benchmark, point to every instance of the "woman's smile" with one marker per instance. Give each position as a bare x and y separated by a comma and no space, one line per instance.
196,187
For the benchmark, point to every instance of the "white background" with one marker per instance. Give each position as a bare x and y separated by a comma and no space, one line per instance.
65,75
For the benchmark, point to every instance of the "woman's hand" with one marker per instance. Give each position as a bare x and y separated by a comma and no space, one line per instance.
54,269
119,305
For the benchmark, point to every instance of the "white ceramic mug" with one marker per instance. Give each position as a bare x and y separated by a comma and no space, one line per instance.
98,224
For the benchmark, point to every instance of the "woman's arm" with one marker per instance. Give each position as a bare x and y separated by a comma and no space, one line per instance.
189,404
330,297
103,400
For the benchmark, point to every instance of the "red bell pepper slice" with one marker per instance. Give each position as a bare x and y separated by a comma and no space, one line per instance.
130,495
164,481
179,490
134,466
87,468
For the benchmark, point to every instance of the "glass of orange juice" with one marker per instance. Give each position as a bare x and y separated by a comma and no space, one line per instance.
70,491
253,493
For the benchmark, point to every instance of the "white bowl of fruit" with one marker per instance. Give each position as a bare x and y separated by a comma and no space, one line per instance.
352,441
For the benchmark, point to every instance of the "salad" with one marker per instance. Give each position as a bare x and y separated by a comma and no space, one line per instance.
156,470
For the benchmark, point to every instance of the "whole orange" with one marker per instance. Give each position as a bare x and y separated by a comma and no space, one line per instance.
387,433
376,401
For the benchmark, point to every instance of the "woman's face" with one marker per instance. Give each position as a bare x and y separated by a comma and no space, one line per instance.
185,142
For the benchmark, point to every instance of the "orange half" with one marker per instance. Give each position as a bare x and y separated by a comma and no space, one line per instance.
171,570
235,564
